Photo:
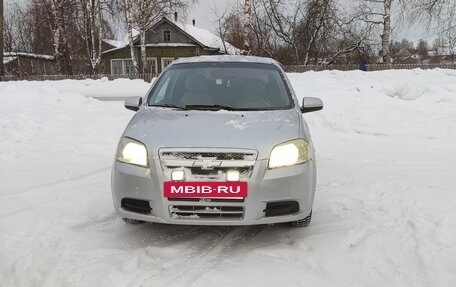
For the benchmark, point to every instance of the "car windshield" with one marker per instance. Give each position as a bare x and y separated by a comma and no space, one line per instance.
221,85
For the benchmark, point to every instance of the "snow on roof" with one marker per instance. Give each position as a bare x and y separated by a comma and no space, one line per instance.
114,49
204,37
114,43
8,59
208,39
30,55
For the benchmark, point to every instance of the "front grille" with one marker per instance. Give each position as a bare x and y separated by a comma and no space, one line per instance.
184,212
201,164
177,155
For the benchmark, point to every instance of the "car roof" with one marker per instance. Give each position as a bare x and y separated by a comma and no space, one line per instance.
226,58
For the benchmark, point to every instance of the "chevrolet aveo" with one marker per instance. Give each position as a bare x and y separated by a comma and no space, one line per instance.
218,140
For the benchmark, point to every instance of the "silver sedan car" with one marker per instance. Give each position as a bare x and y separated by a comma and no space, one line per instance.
218,140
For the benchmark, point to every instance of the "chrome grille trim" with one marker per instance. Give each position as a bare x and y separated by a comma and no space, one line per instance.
185,212
200,153
223,163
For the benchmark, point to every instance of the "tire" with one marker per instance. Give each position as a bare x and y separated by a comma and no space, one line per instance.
303,222
132,221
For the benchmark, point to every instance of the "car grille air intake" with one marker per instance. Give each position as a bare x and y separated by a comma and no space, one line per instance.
136,205
281,208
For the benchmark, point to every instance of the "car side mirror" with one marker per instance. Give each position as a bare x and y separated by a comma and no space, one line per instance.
133,103
310,104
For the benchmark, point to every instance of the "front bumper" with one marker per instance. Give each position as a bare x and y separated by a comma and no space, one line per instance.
290,184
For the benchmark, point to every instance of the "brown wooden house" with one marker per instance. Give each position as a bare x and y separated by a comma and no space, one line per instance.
25,64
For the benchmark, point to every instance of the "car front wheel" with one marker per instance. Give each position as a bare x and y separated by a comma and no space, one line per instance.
303,222
132,221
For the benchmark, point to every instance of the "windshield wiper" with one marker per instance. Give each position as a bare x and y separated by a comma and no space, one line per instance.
169,106
209,107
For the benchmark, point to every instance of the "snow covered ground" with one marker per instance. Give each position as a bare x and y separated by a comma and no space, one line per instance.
384,213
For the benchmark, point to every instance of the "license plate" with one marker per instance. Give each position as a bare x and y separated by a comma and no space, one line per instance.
205,189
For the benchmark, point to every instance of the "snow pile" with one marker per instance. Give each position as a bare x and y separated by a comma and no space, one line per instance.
383,216
119,88
45,133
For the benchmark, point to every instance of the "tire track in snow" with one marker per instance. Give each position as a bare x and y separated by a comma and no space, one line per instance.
230,244
212,248
152,234
161,235
200,245
97,225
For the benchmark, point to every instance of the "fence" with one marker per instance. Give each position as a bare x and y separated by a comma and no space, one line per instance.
145,77
290,69
370,67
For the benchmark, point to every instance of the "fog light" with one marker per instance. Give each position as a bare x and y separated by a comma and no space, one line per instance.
178,175
233,175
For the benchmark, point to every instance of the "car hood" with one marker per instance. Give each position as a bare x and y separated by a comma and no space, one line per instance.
170,128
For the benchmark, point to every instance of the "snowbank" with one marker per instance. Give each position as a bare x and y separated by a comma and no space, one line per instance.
119,88
384,212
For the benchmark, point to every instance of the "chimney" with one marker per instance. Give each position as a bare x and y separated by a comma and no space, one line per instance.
193,22
175,16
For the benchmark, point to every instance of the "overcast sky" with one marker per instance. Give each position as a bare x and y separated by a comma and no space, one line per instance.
205,12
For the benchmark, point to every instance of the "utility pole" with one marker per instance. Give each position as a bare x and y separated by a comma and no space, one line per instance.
2,68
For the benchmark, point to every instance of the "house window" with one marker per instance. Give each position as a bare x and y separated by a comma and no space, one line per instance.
129,68
165,62
167,36
116,67
151,66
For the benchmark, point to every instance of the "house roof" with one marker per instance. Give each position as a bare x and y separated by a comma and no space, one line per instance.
203,37
207,38
114,43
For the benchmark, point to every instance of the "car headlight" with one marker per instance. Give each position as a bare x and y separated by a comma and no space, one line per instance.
289,153
132,152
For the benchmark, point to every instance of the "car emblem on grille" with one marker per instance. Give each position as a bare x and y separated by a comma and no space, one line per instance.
207,164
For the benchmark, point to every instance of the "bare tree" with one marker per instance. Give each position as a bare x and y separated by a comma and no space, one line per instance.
440,15
130,23
17,31
317,16
92,30
1,39
57,16
222,29
229,25
378,12
423,49
280,18
247,26
386,35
